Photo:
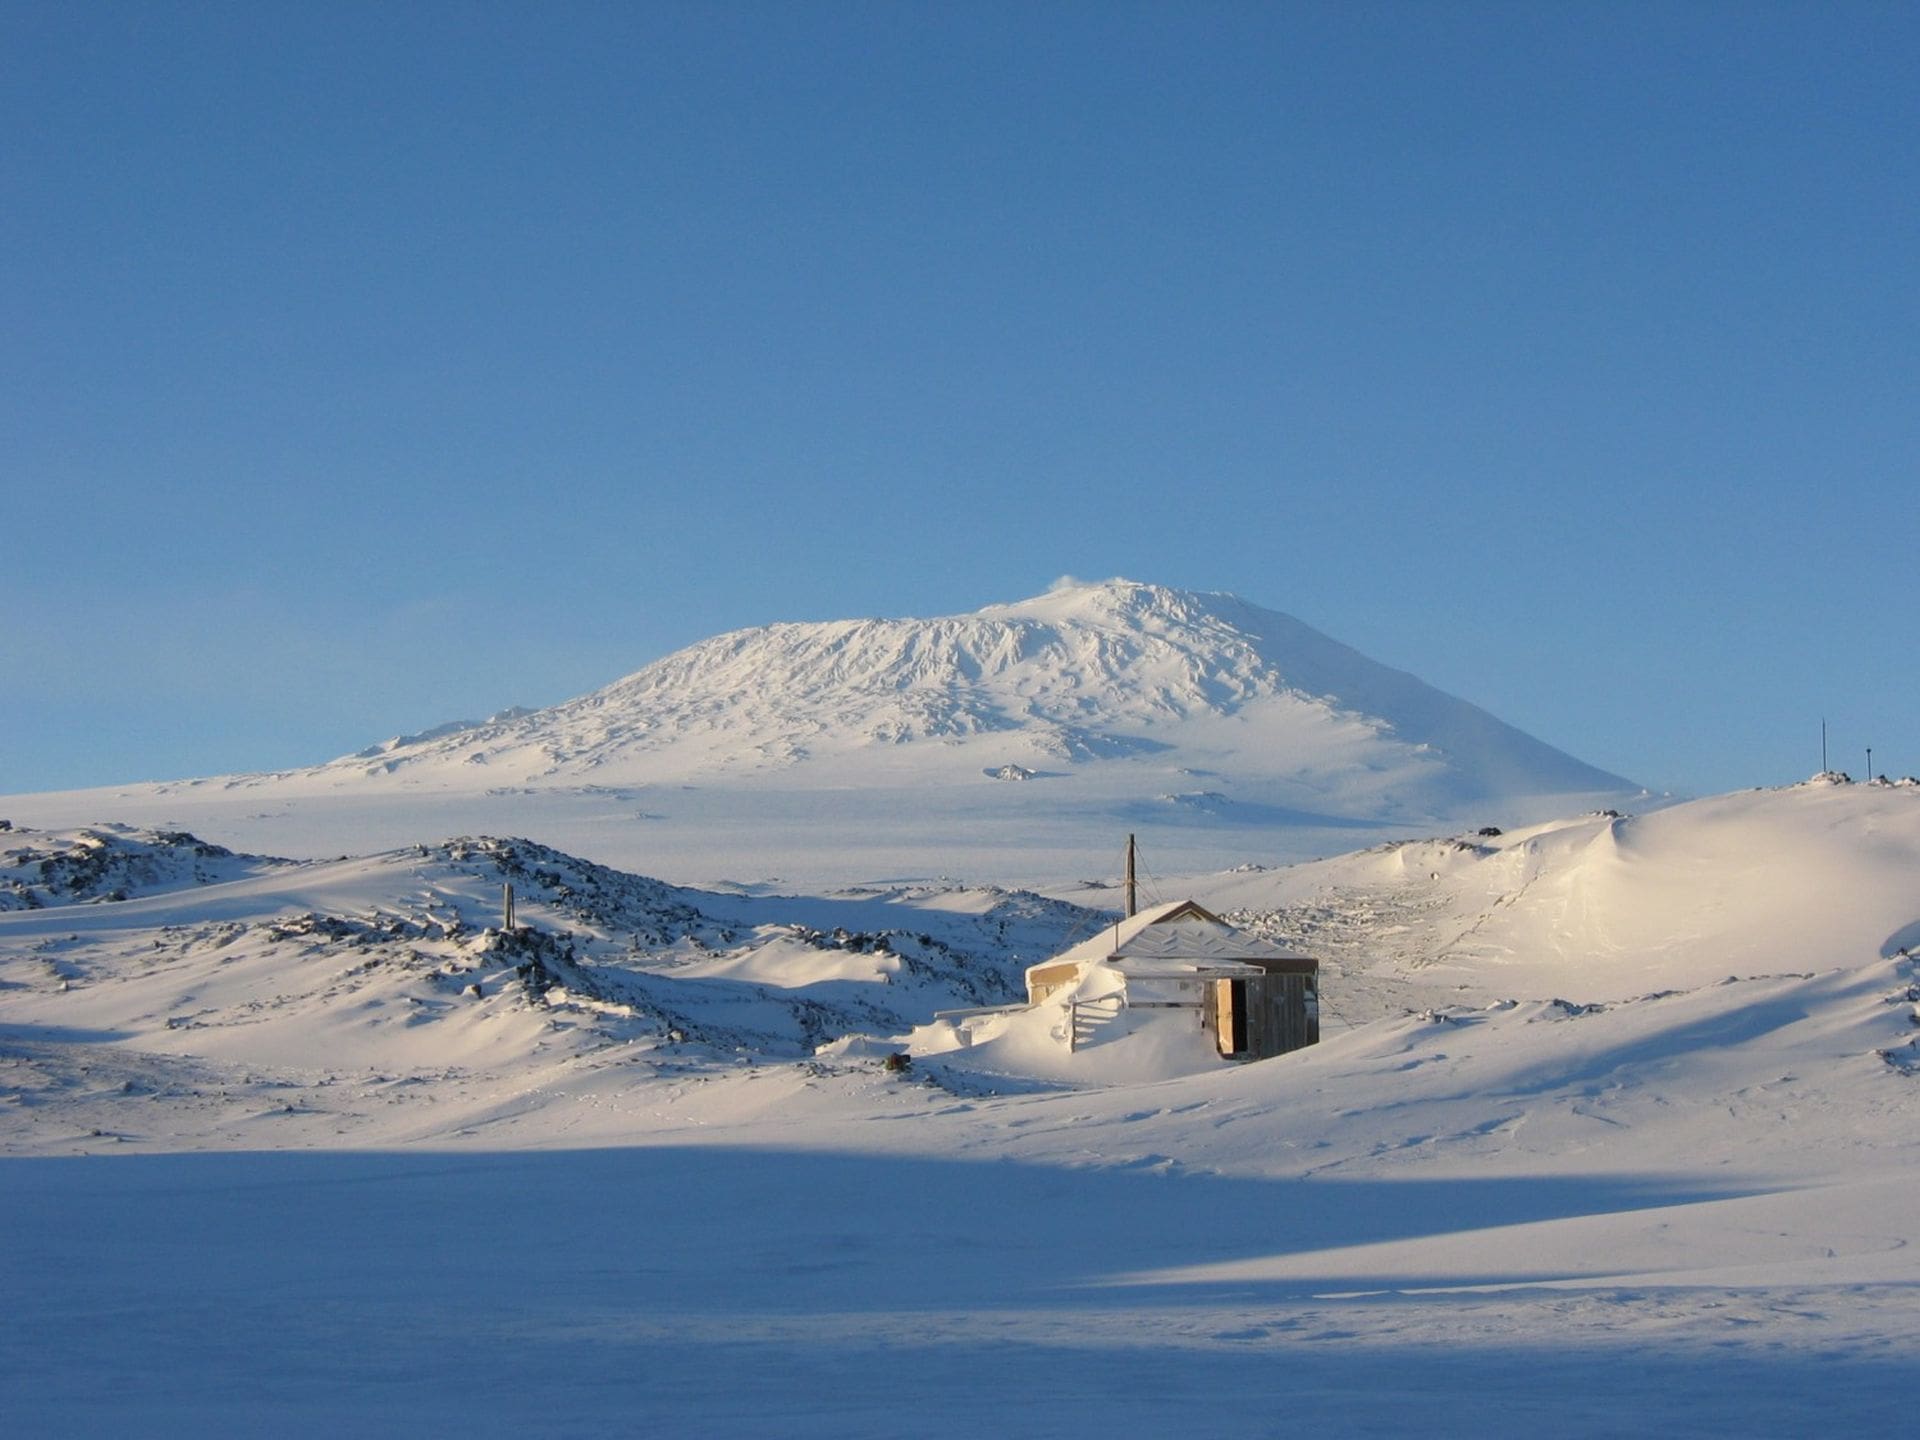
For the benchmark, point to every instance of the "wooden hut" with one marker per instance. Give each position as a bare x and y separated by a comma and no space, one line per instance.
1256,999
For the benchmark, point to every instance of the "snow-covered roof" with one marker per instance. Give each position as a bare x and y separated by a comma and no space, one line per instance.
1178,933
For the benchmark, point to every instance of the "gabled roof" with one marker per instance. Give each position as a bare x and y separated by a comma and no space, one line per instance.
1178,933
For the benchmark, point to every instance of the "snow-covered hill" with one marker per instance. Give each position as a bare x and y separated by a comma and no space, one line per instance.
110,862
870,747
398,964
1606,905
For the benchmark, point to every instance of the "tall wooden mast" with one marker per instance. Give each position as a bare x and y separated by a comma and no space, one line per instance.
1132,891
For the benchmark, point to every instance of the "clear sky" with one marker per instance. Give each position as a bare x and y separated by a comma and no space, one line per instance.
368,366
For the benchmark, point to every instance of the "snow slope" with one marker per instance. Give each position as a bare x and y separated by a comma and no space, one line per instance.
396,962
110,862
991,745
1606,906
1615,1128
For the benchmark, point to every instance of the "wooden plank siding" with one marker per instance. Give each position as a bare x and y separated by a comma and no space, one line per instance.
1263,1015
1282,1014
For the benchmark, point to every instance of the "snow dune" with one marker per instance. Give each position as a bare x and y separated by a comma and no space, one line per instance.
1605,906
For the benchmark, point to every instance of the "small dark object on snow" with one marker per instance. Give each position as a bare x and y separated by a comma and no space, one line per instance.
1491,830
898,1063
475,991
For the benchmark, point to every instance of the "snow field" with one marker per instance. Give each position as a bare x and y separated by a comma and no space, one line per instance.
1614,1128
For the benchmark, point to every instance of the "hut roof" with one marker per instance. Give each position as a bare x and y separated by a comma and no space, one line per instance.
1179,935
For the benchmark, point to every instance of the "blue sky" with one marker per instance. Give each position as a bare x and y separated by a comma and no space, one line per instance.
368,366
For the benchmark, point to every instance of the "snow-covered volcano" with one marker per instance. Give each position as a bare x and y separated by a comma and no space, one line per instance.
1083,674
1238,730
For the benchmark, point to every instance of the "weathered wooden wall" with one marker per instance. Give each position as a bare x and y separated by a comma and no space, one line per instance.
1282,1014
1264,1015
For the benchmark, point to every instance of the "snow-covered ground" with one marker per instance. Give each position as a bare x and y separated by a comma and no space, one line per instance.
1613,1129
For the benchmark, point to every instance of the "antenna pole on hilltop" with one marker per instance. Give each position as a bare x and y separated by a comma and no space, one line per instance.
1133,892
1823,745
506,904
1869,762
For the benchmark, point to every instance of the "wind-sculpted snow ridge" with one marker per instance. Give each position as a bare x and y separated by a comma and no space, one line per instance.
110,862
